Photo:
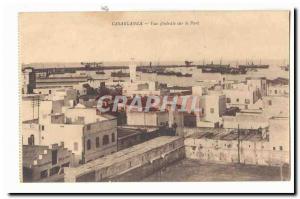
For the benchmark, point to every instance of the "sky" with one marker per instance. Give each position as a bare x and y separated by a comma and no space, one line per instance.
90,36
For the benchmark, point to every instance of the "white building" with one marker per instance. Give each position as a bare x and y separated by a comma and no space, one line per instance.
199,90
212,108
34,106
152,118
279,134
243,98
245,121
278,90
259,83
276,106
87,135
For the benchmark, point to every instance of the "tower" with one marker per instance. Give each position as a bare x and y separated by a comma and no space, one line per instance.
29,80
132,70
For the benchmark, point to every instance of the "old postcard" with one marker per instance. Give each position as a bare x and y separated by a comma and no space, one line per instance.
185,96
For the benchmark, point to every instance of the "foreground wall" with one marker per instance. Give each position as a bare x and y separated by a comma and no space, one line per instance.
148,168
130,164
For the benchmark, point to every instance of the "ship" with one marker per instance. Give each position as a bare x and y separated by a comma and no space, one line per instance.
100,72
222,69
212,65
225,70
172,73
285,68
166,73
120,74
256,66
184,75
146,70
188,63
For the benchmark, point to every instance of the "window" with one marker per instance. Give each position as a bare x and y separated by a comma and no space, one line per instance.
274,149
31,140
237,99
75,146
113,137
228,100
97,142
88,127
49,91
54,157
43,127
105,140
88,144
280,148
270,102
212,110
44,174
275,91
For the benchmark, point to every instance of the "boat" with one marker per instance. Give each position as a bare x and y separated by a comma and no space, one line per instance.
252,65
184,75
100,72
120,74
285,68
188,63
172,73
225,70
212,65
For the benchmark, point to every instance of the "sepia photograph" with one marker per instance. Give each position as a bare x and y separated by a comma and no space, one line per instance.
160,96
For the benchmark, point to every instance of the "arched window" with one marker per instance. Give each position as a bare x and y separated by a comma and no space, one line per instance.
31,140
105,140
88,144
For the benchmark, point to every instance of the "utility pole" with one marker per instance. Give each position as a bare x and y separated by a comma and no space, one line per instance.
32,104
38,106
239,159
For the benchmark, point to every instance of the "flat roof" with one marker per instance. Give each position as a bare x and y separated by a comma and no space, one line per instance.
35,121
245,135
123,155
125,131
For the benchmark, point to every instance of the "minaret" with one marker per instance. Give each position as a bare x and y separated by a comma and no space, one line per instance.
132,70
